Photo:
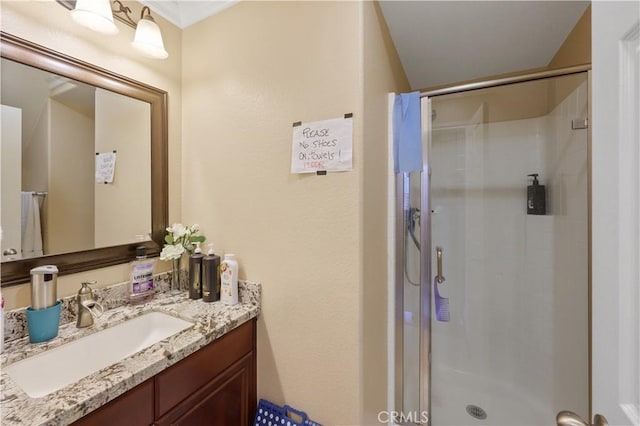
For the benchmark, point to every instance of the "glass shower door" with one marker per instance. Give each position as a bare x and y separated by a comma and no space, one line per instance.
412,295
409,237
509,326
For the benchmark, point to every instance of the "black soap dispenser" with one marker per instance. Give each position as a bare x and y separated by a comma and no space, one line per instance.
536,197
195,273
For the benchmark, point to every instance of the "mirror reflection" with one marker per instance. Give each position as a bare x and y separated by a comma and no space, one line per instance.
61,140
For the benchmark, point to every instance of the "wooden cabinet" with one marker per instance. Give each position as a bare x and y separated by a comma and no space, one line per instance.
215,385
222,401
132,408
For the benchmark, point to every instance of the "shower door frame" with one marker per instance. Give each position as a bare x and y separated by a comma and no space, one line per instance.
425,242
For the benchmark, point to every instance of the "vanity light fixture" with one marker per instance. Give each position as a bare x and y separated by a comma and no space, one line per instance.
148,38
95,15
98,15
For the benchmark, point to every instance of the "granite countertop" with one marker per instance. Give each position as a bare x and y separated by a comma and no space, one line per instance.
211,321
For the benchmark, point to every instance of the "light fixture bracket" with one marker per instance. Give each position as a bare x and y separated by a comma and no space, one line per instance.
148,37
120,11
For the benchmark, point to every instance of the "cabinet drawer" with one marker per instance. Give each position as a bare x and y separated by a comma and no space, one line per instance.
134,408
192,373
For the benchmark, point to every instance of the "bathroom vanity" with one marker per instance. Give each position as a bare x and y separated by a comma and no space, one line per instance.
205,374
216,385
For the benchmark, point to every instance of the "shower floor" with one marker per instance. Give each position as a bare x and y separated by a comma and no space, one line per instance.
453,391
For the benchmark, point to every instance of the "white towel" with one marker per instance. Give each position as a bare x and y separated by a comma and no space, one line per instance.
31,231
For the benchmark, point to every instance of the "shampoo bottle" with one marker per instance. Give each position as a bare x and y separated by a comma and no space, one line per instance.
229,280
536,197
210,276
142,289
195,273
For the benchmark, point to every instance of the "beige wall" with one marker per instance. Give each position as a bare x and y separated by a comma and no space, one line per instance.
123,125
576,48
69,218
11,180
49,24
35,152
382,74
248,74
300,235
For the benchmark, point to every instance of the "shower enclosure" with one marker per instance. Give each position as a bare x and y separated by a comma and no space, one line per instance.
492,300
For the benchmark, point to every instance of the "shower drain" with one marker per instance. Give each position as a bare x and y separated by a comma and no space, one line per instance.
476,412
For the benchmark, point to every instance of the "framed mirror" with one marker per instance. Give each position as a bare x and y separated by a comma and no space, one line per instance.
128,135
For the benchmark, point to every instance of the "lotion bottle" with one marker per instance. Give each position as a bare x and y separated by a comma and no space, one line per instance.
195,273
210,276
141,286
229,280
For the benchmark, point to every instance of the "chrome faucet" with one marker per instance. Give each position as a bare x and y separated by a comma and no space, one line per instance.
88,308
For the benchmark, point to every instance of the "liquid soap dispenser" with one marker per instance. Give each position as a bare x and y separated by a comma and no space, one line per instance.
536,197
195,273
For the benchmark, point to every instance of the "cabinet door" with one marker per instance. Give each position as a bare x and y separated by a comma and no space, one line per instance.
227,400
196,371
134,408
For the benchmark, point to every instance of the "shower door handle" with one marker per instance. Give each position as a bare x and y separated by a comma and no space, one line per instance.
439,276
569,418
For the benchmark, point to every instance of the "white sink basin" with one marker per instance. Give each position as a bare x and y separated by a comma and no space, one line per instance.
54,369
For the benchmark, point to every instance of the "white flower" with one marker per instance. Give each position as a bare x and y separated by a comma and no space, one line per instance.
181,236
171,251
178,230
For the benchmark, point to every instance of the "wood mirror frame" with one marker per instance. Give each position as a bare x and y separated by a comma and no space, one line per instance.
25,52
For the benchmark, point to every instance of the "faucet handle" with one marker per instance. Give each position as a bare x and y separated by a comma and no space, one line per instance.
85,287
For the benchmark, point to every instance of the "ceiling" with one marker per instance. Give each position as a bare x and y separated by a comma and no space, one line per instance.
183,13
442,42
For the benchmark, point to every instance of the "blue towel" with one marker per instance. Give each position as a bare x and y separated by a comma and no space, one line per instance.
407,133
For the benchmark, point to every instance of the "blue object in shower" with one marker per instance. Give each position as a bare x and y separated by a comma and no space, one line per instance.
407,133
442,303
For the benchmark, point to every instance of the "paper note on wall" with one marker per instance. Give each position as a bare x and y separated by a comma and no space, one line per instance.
322,145
105,167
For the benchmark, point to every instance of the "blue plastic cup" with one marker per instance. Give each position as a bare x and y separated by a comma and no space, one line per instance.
43,323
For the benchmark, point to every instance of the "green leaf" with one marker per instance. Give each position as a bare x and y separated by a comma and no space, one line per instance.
197,239
168,239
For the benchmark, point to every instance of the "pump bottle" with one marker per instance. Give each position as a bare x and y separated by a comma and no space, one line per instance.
536,197
195,273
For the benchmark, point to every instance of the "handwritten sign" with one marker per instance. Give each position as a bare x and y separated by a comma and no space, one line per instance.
105,167
322,145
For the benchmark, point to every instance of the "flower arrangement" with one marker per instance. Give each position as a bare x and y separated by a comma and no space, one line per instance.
180,239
